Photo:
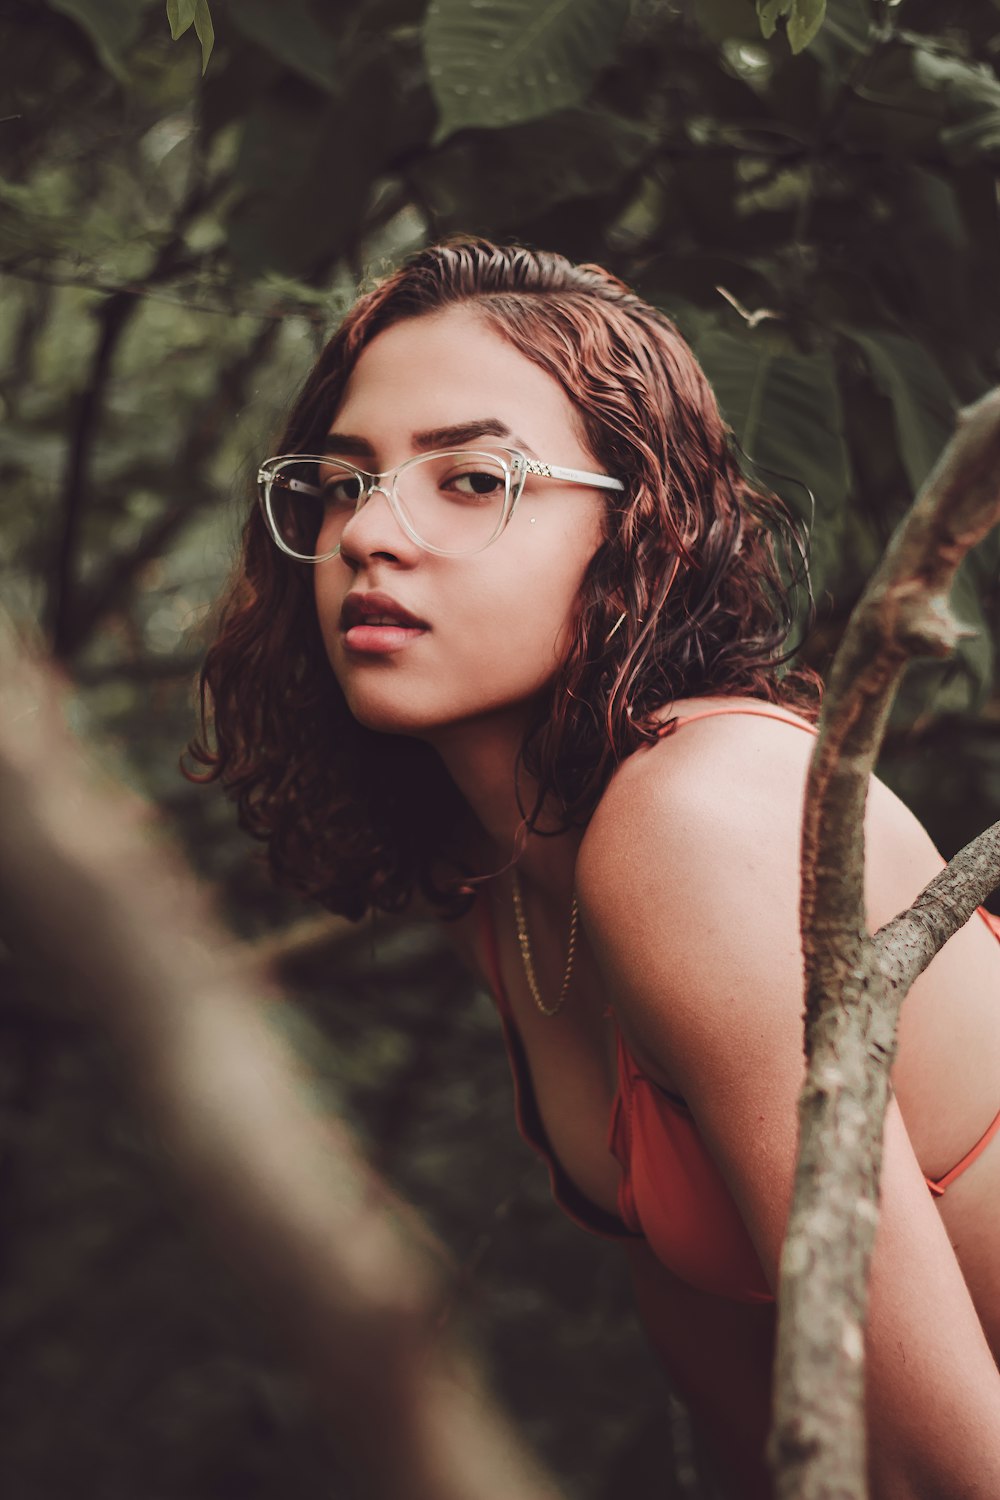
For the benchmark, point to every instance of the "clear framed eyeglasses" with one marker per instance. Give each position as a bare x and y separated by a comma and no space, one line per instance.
453,503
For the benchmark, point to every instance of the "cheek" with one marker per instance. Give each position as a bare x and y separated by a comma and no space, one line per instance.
330,584
525,625
329,588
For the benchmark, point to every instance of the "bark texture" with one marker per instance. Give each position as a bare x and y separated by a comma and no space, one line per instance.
855,982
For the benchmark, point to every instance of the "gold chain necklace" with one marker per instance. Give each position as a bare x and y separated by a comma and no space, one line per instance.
529,966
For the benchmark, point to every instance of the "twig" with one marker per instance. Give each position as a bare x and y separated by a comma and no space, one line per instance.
60,605
276,312
906,945
113,317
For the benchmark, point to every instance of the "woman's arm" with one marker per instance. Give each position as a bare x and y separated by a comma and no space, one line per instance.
688,881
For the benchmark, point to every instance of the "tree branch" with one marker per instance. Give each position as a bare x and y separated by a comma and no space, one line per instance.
113,583
113,318
818,1442
349,1274
276,311
906,945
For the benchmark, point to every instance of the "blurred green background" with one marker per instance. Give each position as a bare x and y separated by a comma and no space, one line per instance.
174,247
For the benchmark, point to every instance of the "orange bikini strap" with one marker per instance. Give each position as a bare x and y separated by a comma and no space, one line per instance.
937,1188
742,708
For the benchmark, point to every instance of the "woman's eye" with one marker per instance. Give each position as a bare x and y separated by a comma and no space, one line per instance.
476,483
342,492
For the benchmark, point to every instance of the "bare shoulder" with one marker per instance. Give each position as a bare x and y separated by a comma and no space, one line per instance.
677,814
688,836
689,881
718,803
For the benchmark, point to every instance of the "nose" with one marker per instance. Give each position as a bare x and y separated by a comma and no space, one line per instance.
374,530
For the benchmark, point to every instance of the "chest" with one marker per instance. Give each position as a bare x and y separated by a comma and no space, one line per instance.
623,1160
570,1059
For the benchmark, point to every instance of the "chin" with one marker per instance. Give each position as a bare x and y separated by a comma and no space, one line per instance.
424,707
384,709
389,712
381,718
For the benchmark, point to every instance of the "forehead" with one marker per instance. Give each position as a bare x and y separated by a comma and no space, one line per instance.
447,367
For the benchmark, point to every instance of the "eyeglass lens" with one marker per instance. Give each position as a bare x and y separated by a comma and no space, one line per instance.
453,502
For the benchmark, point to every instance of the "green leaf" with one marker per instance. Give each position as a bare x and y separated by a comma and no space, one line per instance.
923,403
785,410
499,62
929,249
490,181
301,199
292,35
768,12
804,22
180,15
204,31
111,25
804,19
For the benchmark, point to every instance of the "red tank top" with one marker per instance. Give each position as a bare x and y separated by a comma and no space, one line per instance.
670,1190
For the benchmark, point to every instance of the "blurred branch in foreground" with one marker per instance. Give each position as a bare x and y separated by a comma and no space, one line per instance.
349,1274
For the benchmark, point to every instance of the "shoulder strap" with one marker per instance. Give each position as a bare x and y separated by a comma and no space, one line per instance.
746,708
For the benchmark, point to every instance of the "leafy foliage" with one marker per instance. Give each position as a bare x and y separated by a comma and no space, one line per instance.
803,18
784,409
923,403
111,25
498,62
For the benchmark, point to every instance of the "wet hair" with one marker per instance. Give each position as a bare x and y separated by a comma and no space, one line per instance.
698,560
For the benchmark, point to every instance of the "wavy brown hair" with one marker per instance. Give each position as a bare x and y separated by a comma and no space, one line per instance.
692,557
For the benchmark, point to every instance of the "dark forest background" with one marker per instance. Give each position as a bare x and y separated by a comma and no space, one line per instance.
175,245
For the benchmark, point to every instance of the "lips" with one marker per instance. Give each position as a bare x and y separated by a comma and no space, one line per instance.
377,609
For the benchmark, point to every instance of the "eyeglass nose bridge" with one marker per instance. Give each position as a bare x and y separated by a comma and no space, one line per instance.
371,486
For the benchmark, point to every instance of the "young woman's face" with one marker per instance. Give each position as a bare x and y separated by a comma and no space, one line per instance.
497,620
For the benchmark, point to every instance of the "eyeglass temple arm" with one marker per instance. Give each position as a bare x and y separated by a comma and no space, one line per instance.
288,484
573,476
546,471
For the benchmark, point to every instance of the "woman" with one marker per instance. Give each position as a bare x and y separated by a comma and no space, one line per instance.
504,643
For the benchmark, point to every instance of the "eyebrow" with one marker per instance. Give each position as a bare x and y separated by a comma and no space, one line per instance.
434,437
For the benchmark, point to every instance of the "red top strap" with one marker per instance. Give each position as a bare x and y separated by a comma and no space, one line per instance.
741,706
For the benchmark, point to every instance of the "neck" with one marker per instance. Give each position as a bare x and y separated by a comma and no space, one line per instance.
480,756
